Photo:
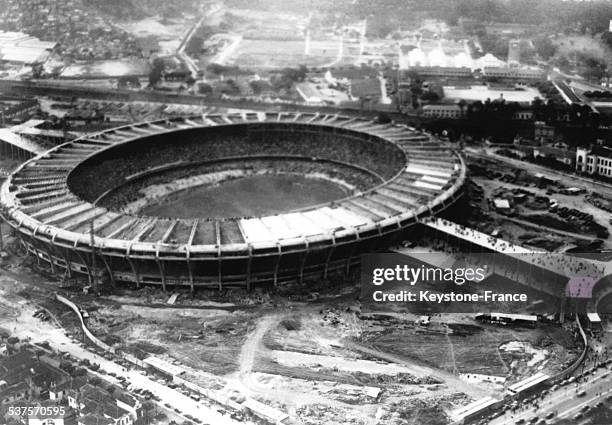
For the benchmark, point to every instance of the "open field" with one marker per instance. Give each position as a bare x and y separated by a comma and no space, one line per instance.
276,54
479,349
106,69
482,93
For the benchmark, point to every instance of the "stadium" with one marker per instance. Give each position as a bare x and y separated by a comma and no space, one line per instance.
126,205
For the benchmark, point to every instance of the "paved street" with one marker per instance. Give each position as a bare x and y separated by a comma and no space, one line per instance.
565,401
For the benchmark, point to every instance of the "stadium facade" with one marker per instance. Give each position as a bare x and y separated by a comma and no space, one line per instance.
62,203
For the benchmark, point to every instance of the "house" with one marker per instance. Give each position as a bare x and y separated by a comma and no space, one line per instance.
97,404
556,152
130,404
44,378
308,93
38,418
94,420
61,391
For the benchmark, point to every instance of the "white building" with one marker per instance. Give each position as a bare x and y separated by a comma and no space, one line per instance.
20,48
451,111
594,161
515,73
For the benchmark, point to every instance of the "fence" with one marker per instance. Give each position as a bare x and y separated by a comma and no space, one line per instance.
86,331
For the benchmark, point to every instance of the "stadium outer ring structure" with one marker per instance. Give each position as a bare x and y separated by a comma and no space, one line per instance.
73,236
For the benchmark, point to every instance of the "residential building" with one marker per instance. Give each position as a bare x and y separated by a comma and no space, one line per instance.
95,403
557,152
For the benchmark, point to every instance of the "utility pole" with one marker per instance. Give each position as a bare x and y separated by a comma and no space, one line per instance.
93,258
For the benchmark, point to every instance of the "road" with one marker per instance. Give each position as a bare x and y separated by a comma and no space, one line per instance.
180,52
564,402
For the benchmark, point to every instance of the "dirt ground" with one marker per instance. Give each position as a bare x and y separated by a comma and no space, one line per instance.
319,362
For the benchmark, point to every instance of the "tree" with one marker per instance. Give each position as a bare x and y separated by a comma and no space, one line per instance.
231,87
430,96
259,86
194,45
383,118
67,366
606,38
544,47
462,104
204,89
128,81
156,72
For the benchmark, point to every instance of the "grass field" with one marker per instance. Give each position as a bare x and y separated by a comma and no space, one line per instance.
247,196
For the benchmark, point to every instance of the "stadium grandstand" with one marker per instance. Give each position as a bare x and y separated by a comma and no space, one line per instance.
67,205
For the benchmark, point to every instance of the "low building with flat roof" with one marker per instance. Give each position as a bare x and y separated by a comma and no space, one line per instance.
529,384
474,410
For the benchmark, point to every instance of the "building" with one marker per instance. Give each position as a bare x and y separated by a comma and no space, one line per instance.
509,319
507,73
514,52
543,131
96,404
594,161
162,367
523,115
556,152
17,48
308,93
528,385
441,71
501,204
474,411
24,376
236,251
265,412
450,111
94,420
594,322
